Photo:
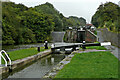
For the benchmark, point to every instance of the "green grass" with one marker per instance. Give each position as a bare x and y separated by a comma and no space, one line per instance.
95,32
97,47
96,42
91,65
22,53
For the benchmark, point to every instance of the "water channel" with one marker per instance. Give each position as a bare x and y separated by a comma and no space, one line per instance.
39,68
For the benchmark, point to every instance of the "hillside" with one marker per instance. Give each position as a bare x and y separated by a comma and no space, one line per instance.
23,25
61,22
107,15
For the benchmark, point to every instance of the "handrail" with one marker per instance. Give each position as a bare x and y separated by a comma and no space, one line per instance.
4,59
7,56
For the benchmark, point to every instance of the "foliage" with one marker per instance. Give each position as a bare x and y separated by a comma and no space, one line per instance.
48,8
77,21
90,65
107,15
22,25
13,30
61,22
95,32
40,24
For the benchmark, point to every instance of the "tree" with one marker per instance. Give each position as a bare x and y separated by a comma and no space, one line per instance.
107,15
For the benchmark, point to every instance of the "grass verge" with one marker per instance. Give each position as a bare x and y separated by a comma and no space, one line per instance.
90,65
97,47
22,53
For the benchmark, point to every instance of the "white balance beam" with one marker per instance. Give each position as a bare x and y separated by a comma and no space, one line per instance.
105,44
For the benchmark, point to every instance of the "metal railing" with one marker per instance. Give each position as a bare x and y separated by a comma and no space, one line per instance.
1,55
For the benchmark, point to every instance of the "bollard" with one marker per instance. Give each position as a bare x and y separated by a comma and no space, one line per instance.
83,47
74,48
38,49
46,45
52,48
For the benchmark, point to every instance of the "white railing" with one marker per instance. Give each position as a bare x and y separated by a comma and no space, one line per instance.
1,55
4,60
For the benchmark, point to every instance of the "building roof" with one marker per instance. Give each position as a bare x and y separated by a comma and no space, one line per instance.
89,24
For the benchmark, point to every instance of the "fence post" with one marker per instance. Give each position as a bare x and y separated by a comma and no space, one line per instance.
38,49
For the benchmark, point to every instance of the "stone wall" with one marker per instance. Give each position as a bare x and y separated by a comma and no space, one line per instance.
57,36
111,36
70,36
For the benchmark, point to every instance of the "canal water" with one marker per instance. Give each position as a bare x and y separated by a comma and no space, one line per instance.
39,68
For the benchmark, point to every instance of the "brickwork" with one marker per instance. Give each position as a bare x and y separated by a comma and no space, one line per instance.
90,36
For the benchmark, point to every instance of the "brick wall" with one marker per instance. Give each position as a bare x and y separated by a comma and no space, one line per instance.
90,36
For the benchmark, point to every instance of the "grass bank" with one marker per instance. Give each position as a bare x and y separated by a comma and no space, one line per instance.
91,65
97,47
22,53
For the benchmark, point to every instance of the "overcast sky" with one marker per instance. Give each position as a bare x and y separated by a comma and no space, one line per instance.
79,8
